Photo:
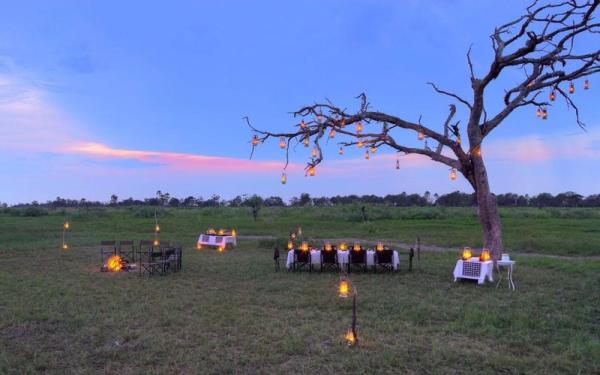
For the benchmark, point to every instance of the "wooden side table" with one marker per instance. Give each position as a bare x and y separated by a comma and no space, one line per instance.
509,265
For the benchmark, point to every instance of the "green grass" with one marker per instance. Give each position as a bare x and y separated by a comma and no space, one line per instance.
231,313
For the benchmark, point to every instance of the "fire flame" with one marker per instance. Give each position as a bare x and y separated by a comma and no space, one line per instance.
350,338
114,263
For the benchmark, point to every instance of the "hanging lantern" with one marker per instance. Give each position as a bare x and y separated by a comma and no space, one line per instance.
360,143
320,117
359,127
343,246
66,225
420,135
379,246
466,253
453,174
350,338
539,112
373,149
282,142
343,122
332,133
571,88
157,228
341,151
311,171
302,125
586,84
458,140
328,246
356,246
485,255
314,152
552,95
367,155
397,163
344,289
304,246
290,245
545,114
254,140
477,151
306,140
283,178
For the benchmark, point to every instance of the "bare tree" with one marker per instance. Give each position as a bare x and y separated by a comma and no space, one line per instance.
539,45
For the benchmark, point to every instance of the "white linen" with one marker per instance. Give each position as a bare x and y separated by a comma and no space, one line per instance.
485,270
216,240
315,258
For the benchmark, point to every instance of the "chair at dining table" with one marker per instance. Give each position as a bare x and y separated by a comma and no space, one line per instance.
357,257
329,259
384,259
301,259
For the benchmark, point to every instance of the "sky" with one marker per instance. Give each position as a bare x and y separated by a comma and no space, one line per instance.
127,98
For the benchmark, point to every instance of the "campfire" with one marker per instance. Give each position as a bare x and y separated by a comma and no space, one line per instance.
116,264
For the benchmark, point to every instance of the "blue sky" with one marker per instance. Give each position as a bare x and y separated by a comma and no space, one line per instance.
130,97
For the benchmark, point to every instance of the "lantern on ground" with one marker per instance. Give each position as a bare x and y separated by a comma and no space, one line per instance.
304,246
344,288
571,88
359,127
367,155
356,246
311,171
485,255
350,338
282,142
341,151
453,174
290,245
65,246
332,133
552,95
379,246
283,178
343,246
328,246
586,84
314,152
254,140
466,253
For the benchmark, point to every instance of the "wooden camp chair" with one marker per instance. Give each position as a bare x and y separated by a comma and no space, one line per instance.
107,249
329,259
384,259
357,258
150,258
302,259
127,251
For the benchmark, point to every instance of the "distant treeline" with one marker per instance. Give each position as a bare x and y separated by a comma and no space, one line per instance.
455,199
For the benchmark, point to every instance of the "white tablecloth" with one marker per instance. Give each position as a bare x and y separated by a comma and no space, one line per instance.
469,271
215,240
315,258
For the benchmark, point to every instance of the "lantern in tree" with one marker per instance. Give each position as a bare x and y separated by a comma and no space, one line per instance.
539,112
282,142
306,140
320,117
379,246
420,135
359,127
360,143
254,140
485,255
283,178
302,125
290,245
356,246
586,84
373,149
332,133
343,123
466,253
314,152
304,246
544,114
552,95
343,246
344,288
367,155
477,151
453,174
397,163
328,246
571,88
341,151
311,171
66,225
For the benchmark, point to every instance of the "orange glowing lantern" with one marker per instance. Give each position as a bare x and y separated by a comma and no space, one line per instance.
282,142
466,253
304,246
477,151
233,233
571,88
290,245
211,231
157,228
343,247
485,255
539,112
221,232
283,178
545,114
552,95
66,225
198,246
221,249
302,125
373,149
350,338
344,289
359,127
356,246
343,123
254,140
379,246
314,152
306,140
332,133
156,242
65,246
367,155
586,84
341,151
114,263
453,174
420,135
328,246
360,143
311,171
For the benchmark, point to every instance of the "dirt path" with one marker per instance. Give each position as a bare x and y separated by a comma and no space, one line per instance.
431,248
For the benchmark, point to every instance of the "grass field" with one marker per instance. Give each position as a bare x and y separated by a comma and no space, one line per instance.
231,313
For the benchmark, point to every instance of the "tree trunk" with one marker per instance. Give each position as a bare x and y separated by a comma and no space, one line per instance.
488,209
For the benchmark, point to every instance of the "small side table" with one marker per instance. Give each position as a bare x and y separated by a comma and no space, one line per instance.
509,265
